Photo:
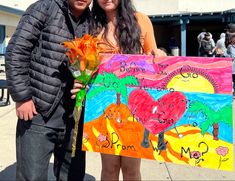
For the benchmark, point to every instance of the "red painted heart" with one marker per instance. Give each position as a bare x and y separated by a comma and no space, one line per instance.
157,116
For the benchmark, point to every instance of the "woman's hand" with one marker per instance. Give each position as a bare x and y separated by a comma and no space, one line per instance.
158,53
76,88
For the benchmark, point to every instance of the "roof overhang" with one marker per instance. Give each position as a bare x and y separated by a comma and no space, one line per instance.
223,16
11,10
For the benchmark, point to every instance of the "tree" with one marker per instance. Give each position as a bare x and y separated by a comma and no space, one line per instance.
213,117
109,81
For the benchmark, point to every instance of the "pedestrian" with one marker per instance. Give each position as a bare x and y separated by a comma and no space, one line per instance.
231,48
230,45
40,82
220,49
201,36
206,47
121,29
230,31
231,54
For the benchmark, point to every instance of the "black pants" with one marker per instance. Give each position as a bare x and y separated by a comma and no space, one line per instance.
34,147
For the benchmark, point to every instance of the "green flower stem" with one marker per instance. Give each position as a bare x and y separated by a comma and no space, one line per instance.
83,79
80,97
78,111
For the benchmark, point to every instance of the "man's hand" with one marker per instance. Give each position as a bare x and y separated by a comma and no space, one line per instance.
25,110
76,88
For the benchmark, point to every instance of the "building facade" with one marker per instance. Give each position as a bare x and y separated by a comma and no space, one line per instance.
185,28
9,18
163,7
183,20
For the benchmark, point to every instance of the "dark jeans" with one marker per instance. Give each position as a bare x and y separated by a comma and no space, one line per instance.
35,145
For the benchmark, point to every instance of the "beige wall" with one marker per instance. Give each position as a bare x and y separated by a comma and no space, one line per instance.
9,19
205,5
9,32
158,7
17,4
154,7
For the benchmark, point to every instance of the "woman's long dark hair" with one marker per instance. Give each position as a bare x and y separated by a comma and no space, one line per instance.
127,30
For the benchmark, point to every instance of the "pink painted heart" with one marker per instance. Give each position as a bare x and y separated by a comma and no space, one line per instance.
157,116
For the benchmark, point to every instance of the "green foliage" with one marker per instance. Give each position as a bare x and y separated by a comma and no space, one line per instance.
204,127
212,117
98,79
111,82
130,80
226,113
95,91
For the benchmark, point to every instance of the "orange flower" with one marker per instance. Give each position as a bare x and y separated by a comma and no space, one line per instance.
84,50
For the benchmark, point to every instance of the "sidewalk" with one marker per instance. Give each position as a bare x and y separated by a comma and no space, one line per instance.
150,169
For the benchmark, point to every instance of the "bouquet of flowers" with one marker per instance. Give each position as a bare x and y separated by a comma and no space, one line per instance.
83,54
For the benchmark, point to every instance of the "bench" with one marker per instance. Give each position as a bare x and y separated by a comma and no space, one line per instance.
2,70
3,87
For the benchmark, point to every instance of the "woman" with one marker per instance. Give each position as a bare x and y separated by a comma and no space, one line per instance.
121,29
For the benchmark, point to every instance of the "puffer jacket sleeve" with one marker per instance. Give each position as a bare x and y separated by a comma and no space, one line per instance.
19,49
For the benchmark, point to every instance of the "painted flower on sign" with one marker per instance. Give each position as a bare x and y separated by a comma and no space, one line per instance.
102,138
195,154
85,135
223,151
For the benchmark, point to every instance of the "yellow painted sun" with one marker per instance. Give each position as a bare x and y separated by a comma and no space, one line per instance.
191,82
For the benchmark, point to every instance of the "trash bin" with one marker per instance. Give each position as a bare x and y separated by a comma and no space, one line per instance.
175,51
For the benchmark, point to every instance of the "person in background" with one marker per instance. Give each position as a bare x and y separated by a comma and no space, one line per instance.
40,83
231,54
201,36
121,29
231,48
220,49
230,31
206,47
229,43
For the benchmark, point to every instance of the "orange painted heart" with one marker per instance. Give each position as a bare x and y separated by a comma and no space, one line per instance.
157,116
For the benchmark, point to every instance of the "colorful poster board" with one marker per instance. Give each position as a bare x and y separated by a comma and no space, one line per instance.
172,109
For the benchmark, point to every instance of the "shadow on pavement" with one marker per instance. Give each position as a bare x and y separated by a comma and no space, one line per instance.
9,174
89,178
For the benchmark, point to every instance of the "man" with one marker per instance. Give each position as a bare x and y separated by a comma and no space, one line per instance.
201,36
40,83
206,48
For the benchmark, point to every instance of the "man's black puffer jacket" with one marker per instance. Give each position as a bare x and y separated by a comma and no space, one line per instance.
38,69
